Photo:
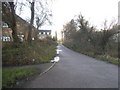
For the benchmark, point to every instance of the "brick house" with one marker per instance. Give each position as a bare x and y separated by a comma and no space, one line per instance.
22,30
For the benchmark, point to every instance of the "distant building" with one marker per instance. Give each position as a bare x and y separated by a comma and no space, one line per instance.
42,34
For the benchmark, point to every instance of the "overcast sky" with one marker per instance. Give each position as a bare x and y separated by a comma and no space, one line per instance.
95,11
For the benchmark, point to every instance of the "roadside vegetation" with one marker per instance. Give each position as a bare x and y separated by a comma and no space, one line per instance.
11,76
20,54
84,38
25,45
24,53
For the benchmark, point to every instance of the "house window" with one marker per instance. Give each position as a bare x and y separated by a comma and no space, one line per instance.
6,38
4,25
33,39
48,33
44,33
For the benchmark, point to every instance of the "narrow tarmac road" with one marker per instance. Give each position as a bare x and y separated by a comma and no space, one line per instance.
76,70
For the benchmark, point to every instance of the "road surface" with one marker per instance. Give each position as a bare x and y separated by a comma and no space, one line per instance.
76,70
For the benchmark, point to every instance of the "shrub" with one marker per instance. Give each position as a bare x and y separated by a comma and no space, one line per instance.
24,53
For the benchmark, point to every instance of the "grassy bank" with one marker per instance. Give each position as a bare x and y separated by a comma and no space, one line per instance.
103,57
106,58
24,53
11,76
19,54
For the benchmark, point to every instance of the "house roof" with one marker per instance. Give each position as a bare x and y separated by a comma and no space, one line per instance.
19,19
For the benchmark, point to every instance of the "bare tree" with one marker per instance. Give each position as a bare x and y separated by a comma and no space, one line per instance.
39,22
106,33
70,31
31,21
42,15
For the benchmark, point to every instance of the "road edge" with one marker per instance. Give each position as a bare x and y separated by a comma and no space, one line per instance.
47,69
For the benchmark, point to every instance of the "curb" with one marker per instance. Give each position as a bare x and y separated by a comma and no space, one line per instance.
47,69
19,83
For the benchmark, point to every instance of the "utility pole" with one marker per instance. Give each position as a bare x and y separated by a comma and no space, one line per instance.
62,32
56,35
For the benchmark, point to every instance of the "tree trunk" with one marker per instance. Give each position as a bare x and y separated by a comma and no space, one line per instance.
13,23
31,23
14,34
36,33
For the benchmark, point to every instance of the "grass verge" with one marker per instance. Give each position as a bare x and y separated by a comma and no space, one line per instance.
11,76
108,59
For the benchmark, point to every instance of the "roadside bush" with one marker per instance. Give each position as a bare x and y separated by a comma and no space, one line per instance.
80,36
24,53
